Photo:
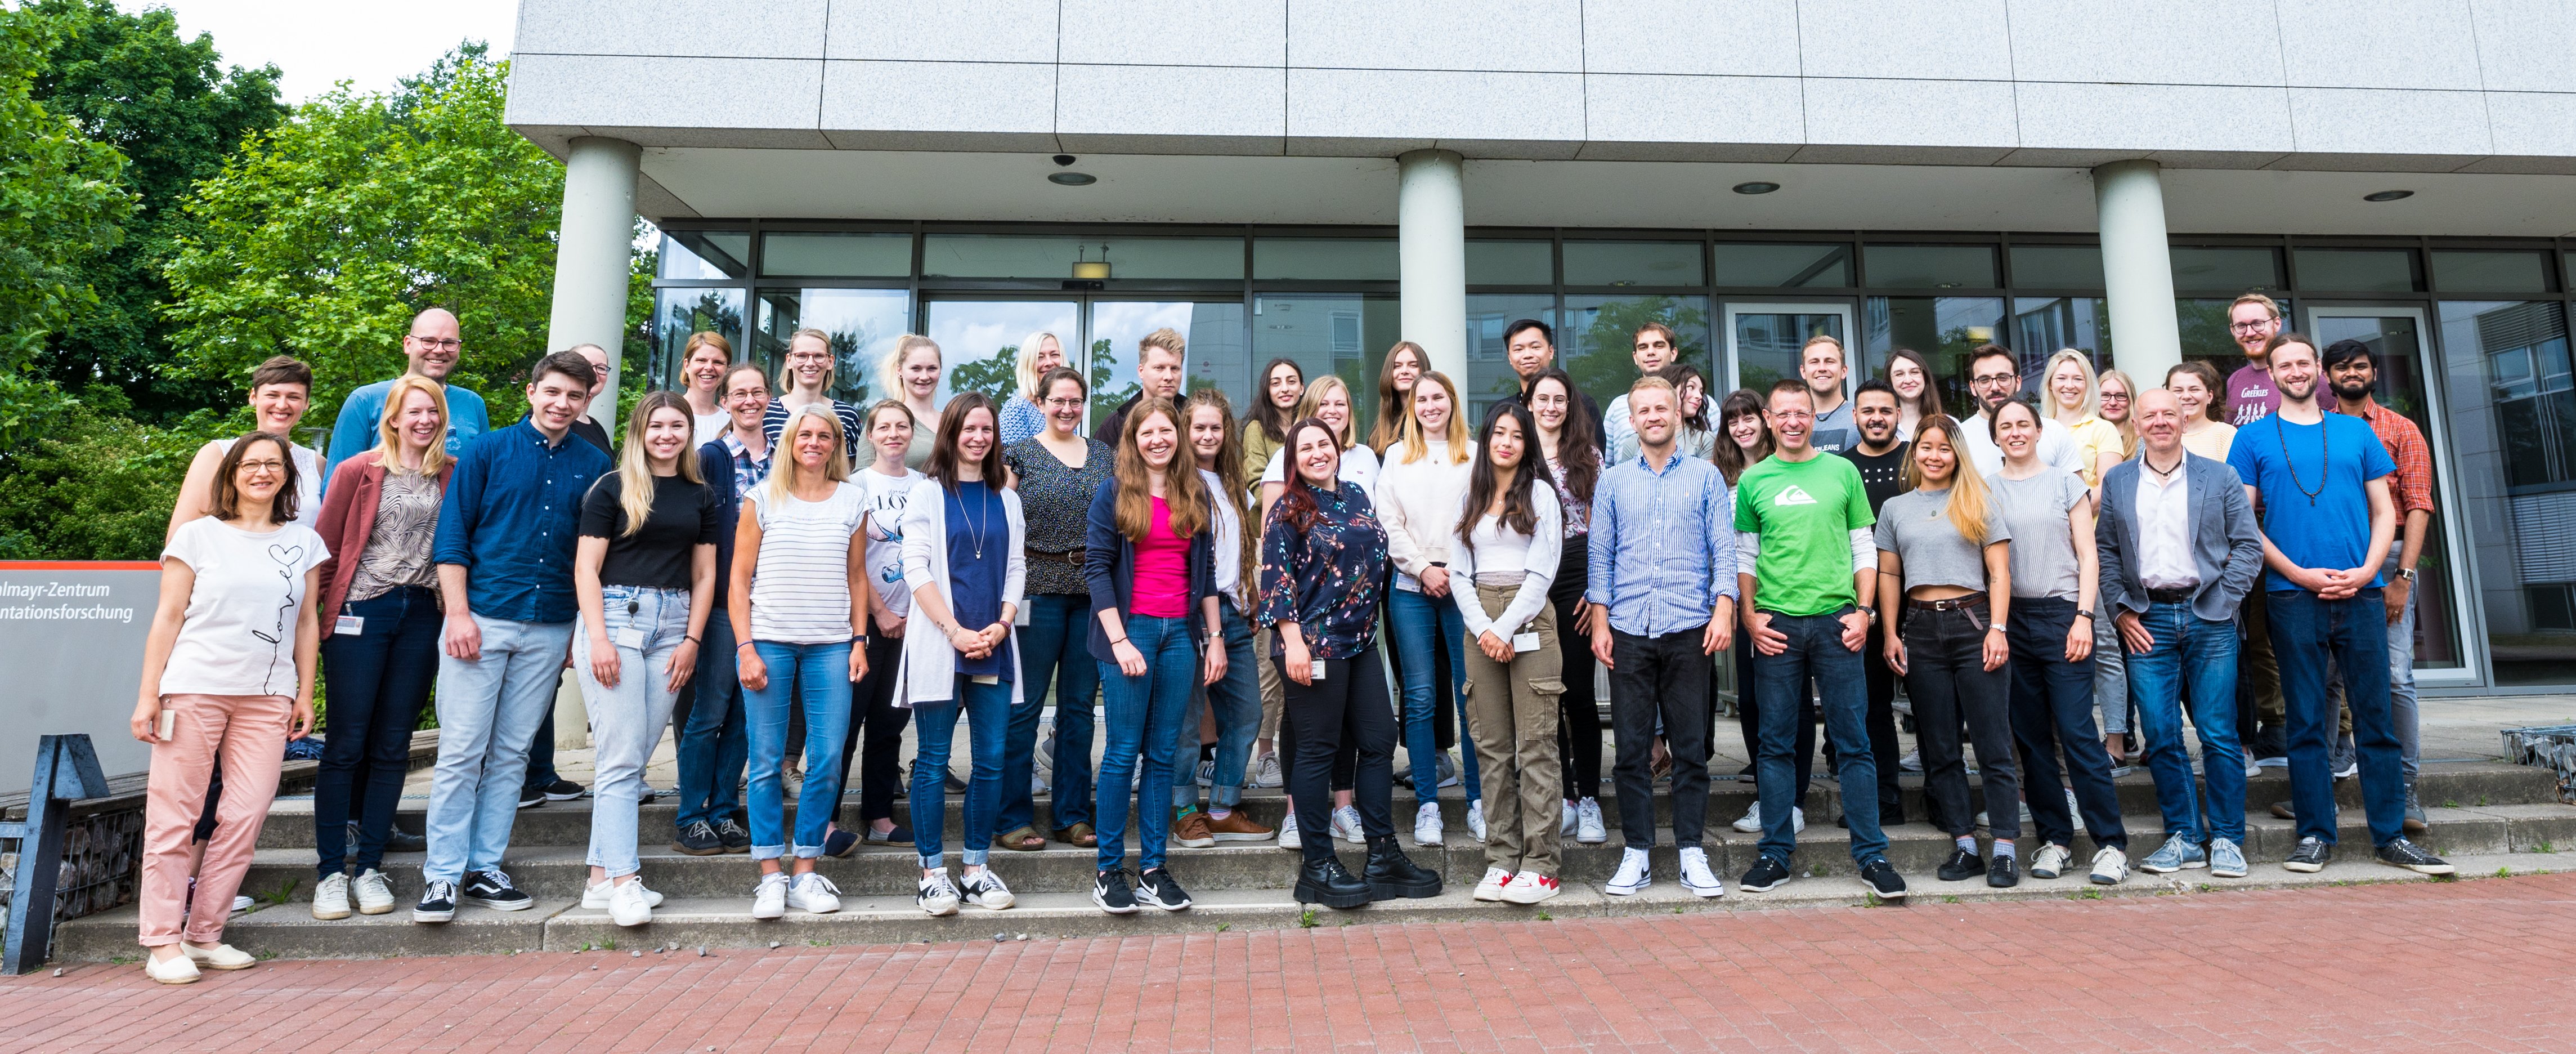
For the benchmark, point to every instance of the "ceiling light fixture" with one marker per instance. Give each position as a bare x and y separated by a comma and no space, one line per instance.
1072,179
1756,187
2389,195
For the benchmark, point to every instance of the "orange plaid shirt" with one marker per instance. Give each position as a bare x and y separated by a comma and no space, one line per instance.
2413,487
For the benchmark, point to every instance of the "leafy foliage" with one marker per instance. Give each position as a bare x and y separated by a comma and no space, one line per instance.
61,206
997,376
98,485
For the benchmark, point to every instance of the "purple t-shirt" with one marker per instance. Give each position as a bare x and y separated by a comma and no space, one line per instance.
2250,395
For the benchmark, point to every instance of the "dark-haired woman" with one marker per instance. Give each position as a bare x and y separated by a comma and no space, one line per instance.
1507,544
1274,408
1151,566
1056,474
1916,396
1323,568
1235,700
1573,456
1746,442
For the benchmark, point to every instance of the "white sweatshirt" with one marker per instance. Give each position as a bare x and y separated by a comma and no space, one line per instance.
1417,501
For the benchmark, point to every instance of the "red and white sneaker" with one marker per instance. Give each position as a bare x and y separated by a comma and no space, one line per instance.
1529,887
1491,889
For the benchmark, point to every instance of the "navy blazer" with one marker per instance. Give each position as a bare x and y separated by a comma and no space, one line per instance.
1109,568
2226,543
715,466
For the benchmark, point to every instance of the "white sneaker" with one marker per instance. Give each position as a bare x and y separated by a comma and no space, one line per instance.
1476,819
1696,877
1634,874
1491,889
1288,838
630,904
1265,773
811,892
1346,825
1529,887
1587,824
936,894
219,957
985,890
602,895
331,897
1751,821
1911,762
2110,867
769,899
177,969
2050,861
1565,825
242,904
375,895
2074,812
1427,829
2252,768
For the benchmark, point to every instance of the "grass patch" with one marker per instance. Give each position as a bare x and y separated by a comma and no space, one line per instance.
1306,919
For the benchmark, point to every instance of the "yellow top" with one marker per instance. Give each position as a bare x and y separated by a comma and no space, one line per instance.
2212,440
2093,436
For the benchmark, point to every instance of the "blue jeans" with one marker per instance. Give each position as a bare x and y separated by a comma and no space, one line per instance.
1237,701
2194,659
2352,634
1421,624
934,726
1815,651
817,676
1052,648
1143,718
626,721
2052,710
714,748
2401,677
489,708
377,680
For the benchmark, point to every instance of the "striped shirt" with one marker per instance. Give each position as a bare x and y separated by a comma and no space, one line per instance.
800,589
773,423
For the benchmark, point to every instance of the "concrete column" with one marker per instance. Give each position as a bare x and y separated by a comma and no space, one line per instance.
2137,270
1431,225
591,256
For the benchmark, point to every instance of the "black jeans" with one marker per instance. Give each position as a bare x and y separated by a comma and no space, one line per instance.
872,707
1665,677
2052,709
1880,719
1946,676
376,681
1578,711
1350,708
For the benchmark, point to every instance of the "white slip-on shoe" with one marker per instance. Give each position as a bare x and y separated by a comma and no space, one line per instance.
331,897
769,899
630,904
1635,874
1427,828
811,892
1696,876
177,969
220,957
375,895
1491,889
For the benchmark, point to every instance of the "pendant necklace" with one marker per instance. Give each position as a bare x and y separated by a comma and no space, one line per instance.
978,530
2293,465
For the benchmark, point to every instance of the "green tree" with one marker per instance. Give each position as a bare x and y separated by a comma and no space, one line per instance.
166,104
324,235
997,376
1604,363
61,206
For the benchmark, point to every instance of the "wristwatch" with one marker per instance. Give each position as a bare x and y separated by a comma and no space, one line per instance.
2407,573
1869,611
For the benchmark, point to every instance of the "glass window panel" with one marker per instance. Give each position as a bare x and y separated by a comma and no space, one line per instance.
1347,336
979,341
1930,266
1511,263
1346,259
2233,269
1764,265
2359,270
1944,329
2057,266
1598,346
706,254
823,254
2050,324
2512,442
1055,256
1213,336
677,313
863,324
2482,271
1768,345
1632,263
2396,344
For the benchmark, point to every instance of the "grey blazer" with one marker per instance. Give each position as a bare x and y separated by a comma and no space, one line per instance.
2226,543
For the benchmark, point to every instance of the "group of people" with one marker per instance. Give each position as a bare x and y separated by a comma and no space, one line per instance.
799,578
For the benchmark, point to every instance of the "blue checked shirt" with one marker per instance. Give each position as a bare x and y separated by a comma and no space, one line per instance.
510,518
1662,545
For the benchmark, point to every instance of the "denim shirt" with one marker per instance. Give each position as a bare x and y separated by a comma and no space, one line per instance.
1328,578
510,517
1663,545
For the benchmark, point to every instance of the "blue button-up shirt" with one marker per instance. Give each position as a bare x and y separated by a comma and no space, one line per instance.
510,518
1662,546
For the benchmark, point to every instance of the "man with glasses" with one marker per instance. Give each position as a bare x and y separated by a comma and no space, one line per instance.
1652,350
1994,378
433,348
2252,321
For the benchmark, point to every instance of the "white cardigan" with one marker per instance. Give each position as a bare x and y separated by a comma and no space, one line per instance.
928,671
1417,502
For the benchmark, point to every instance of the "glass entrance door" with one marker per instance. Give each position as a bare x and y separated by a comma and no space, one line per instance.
1763,340
2444,654
981,340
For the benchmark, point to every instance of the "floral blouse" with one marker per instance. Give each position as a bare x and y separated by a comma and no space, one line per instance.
1327,579
1056,501
1578,512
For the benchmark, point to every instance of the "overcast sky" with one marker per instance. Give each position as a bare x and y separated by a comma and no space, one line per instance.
315,43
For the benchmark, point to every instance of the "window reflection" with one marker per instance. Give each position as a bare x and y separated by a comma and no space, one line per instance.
2513,448
863,324
1945,329
680,312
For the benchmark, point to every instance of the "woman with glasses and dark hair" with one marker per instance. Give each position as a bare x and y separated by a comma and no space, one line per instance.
1055,473
1573,456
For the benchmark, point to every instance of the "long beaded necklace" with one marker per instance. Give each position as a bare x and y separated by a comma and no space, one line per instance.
2293,465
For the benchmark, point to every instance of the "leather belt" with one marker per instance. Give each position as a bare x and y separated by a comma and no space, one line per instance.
1972,600
1071,559
2176,595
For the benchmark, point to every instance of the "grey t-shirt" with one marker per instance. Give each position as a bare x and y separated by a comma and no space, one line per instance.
2043,550
1916,527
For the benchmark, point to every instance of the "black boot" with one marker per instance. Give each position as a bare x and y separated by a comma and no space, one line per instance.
1328,883
1391,874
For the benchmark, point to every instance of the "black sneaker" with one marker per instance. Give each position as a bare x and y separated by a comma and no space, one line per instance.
398,840
2310,855
2003,872
493,890
2412,857
698,839
1109,890
1882,879
733,837
1393,875
839,843
1767,875
1163,891
437,903
531,797
1328,883
564,790
1961,866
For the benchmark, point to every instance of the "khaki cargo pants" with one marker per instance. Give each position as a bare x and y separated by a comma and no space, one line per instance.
1511,716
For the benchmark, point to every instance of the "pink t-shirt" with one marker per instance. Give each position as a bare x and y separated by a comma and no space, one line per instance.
2250,395
1162,570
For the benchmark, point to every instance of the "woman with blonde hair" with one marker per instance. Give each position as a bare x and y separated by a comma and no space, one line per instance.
1396,377
2070,389
1328,399
704,365
912,372
2116,393
1417,502
1025,415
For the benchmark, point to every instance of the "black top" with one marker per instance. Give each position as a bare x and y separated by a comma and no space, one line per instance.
657,557
591,433
1107,433
1881,477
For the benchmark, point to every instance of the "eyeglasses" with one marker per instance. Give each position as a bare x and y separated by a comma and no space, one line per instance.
449,344
1994,380
809,356
748,393
1064,404
269,465
2251,327
2115,397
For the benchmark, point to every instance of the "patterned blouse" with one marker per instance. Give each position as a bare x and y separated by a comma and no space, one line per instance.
1327,579
397,552
1056,502
1578,512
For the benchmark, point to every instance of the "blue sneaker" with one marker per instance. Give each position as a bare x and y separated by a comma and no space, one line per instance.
2178,853
2226,859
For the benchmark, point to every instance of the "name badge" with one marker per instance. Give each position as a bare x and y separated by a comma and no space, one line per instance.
1315,668
1524,642
630,638
985,678
349,626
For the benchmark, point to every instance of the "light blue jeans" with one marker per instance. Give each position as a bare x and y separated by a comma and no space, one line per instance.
987,708
489,708
626,721
1237,701
1142,717
818,675
1421,624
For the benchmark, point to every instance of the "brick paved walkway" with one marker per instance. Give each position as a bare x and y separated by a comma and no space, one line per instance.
2481,965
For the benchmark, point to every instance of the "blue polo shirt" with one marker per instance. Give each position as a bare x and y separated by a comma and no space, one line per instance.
2332,460
511,516
356,432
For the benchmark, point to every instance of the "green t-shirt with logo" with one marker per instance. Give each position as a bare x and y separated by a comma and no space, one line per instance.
1804,512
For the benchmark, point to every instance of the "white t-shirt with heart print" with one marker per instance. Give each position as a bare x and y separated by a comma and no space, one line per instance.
238,637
